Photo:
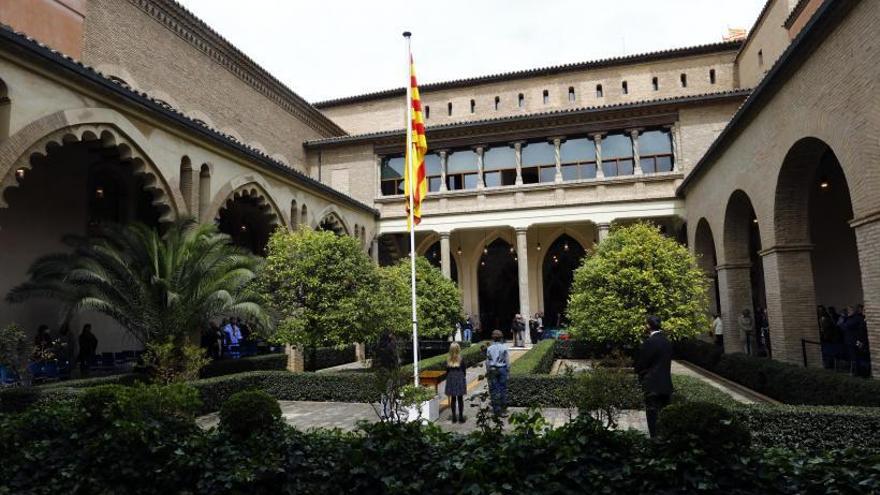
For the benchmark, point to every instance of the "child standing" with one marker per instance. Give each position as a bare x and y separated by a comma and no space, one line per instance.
456,383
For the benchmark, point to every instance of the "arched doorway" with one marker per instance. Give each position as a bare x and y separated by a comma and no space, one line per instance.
812,213
560,261
248,219
79,180
741,277
433,256
704,247
498,286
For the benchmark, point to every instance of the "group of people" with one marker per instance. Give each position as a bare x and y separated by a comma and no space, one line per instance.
65,347
844,336
468,329
225,340
751,330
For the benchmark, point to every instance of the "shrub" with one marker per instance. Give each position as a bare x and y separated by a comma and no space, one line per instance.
120,379
173,361
537,360
249,412
540,391
222,367
17,399
702,426
603,393
635,272
814,428
692,389
283,385
15,348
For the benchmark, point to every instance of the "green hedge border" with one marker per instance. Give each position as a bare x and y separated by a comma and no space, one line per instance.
536,361
472,355
221,367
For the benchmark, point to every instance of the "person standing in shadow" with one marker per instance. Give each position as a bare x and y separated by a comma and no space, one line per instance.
654,368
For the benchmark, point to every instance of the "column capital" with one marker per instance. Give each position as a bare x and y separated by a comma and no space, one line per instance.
556,140
786,248
518,144
597,136
635,131
521,230
442,152
444,235
479,148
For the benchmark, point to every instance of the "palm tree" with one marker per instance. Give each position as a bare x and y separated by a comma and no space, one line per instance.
158,287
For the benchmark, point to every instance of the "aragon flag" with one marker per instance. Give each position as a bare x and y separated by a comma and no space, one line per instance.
416,150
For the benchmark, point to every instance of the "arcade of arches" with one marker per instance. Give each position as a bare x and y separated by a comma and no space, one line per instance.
814,259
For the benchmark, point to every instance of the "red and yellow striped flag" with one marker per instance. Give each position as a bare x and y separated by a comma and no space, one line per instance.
416,150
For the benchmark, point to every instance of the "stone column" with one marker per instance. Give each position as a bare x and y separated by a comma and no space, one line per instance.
296,360
735,288
603,229
480,183
374,249
597,138
637,166
444,154
791,303
867,230
522,251
557,143
517,148
445,265
378,176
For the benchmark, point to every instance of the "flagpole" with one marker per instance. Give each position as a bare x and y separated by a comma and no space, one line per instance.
412,194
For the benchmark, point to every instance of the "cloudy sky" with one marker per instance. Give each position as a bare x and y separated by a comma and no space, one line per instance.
331,48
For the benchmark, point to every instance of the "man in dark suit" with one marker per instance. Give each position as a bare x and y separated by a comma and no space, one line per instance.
654,367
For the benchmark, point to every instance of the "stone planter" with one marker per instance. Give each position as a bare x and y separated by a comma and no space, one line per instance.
427,411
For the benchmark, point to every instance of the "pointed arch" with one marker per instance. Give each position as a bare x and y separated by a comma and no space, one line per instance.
246,185
333,217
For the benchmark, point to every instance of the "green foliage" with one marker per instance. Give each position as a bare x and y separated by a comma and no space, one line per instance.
412,395
438,298
173,361
537,360
15,348
154,286
702,426
784,382
635,272
220,367
249,412
813,428
283,385
322,289
692,389
525,390
603,393
581,457
318,358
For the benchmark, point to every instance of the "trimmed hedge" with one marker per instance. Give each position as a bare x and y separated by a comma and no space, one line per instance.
540,391
222,367
784,382
120,379
813,428
284,385
537,360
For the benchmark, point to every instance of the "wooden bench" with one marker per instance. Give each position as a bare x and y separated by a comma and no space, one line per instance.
432,378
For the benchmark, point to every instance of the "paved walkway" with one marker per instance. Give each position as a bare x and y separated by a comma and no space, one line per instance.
346,416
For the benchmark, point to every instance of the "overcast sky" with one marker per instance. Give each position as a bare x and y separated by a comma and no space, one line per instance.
327,49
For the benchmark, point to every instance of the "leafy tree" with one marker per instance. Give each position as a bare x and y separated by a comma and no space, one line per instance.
322,289
438,299
635,272
15,348
156,286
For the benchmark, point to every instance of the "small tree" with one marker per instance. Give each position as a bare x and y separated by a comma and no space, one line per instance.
635,272
437,297
321,288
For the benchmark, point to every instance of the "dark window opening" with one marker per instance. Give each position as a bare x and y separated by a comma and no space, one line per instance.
392,175
521,100
427,112
655,151
571,95
712,76
546,97
473,106
760,58
684,80
624,87
655,83
449,109
599,92
497,103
